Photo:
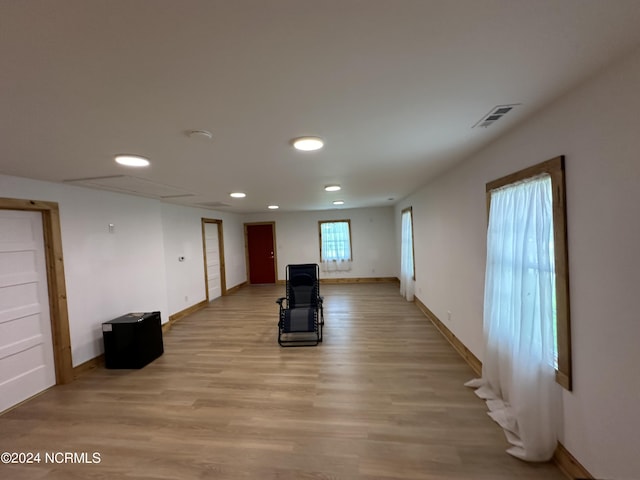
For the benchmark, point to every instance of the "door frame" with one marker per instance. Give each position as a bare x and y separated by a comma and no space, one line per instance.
58,310
223,279
246,248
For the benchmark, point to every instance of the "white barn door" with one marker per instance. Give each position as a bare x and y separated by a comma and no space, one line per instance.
26,348
212,248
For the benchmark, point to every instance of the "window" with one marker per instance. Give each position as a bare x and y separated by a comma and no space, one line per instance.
526,314
407,274
335,244
536,267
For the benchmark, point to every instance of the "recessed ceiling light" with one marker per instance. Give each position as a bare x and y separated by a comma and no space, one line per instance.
132,160
338,202
238,195
273,207
307,144
332,188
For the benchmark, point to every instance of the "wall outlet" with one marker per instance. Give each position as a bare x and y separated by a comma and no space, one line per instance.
186,298
449,316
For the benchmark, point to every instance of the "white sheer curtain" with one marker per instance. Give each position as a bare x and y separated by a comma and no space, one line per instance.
336,246
406,257
518,374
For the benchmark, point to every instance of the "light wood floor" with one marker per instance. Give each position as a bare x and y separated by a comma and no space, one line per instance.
380,399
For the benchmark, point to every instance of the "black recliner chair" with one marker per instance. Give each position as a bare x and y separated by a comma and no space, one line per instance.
301,310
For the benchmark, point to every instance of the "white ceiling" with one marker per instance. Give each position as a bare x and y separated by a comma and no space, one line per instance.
393,86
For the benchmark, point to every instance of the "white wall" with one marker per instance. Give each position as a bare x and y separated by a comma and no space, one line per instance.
136,267
183,238
372,238
596,128
107,274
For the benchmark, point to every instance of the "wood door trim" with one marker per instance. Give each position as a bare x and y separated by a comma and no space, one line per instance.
223,278
58,309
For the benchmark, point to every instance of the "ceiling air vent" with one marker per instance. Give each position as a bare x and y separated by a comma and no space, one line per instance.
495,114
213,204
132,186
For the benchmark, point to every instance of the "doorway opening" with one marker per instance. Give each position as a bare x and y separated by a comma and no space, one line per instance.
55,279
213,249
260,241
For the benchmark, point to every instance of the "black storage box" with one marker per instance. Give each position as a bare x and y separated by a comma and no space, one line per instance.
133,340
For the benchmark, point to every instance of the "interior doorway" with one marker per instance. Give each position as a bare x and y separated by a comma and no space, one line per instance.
260,241
213,249
26,346
42,287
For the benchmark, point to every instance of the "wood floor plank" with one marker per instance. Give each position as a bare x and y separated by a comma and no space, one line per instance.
382,397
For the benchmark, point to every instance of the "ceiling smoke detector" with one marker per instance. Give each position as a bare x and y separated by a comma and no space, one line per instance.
495,114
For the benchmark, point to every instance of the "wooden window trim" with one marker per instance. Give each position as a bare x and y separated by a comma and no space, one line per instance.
413,243
348,221
555,168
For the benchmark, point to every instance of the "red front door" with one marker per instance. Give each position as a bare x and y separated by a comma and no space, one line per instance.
262,268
